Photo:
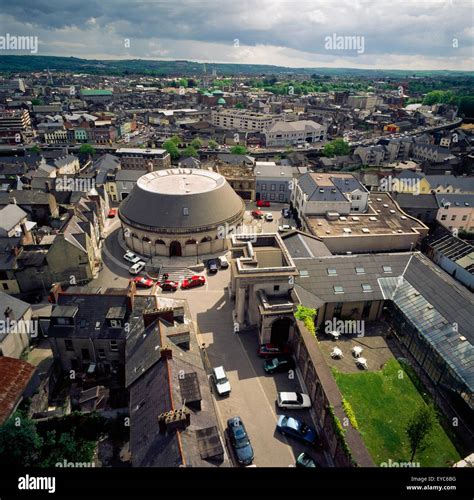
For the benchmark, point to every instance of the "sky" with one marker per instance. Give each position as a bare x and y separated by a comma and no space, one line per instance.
372,34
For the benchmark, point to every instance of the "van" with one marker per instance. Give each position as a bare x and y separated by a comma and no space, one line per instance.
137,267
223,262
219,377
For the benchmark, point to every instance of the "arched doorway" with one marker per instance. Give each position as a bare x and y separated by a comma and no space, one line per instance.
280,331
175,249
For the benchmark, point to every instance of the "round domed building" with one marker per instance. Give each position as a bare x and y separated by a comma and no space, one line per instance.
180,212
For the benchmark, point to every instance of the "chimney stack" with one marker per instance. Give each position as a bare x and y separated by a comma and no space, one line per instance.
174,420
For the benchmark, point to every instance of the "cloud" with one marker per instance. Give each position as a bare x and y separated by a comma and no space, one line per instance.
397,33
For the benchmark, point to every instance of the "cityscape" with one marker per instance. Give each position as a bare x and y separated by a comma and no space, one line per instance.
237,237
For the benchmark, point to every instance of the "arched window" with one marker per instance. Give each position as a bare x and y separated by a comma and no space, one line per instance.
159,242
145,239
206,238
191,242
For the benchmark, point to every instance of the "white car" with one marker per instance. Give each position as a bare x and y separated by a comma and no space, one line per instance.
131,257
137,267
294,400
223,262
221,381
284,228
268,217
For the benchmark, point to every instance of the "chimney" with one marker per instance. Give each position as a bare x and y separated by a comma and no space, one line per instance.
174,420
55,291
13,201
132,290
47,187
8,313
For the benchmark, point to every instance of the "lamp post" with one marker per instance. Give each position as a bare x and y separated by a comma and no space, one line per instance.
197,252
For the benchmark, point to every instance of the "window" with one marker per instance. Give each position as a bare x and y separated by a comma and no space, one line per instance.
85,354
102,353
5,286
464,217
68,345
276,288
387,269
185,211
443,217
272,196
113,346
332,271
338,289
360,270
273,187
337,309
62,321
366,287
264,187
453,217
282,187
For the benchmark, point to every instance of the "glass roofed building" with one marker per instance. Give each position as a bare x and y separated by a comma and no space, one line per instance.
433,318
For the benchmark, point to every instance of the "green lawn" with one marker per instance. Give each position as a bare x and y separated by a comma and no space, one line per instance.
383,402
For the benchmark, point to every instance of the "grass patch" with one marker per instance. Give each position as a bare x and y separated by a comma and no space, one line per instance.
383,403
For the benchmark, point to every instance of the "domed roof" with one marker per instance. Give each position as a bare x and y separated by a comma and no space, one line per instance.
221,100
181,198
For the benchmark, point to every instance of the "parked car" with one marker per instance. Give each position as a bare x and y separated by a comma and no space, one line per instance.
258,214
137,267
263,203
193,282
240,441
223,262
112,213
268,217
278,364
131,257
212,266
142,282
219,377
168,286
296,429
305,460
295,400
283,228
286,213
271,350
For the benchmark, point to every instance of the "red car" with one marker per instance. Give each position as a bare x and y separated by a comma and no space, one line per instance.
168,286
271,350
193,282
112,213
263,203
258,214
143,282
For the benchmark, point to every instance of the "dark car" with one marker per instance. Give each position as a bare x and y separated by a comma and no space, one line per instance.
240,441
305,460
278,364
212,266
296,429
286,213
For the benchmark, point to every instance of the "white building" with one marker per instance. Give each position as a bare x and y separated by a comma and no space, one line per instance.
292,133
242,119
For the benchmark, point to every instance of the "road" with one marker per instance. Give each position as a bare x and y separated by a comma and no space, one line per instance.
253,395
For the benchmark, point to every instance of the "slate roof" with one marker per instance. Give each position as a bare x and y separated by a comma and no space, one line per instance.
17,307
26,197
10,216
302,246
465,184
15,375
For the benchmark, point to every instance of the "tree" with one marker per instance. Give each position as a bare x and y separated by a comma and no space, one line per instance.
196,143
238,150
86,149
212,144
176,139
20,443
190,151
171,148
239,105
337,147
307,315
35,149
418,428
